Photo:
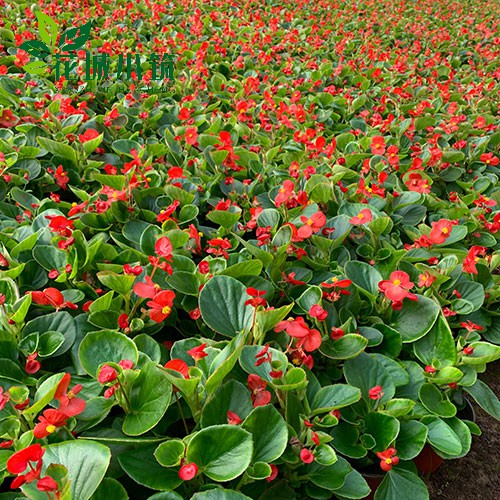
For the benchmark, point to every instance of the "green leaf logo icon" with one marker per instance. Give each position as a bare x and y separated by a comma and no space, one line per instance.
75,38
72,39
48,28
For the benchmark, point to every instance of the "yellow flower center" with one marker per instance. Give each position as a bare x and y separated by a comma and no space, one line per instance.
309,222
360,215
51,428
397,282
166,310
388,461
445,230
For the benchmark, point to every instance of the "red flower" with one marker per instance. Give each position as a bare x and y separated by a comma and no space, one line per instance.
198,352
146,290
309,339
7,119
128,269
377,145
440,231
425,280
375,392
311,225
47,484
191,135
4,398
161,305
178,365
256,299
18,462
61,177
396,287
163,248
60,225
49,297
306,456
233,418
32,365
337,333
316,311
68,403
219,247
392,155
188,471
388,458
126,364
470,261
88,135
468,350
285,193
470,326
107,374
430,369
362,218
49,422
123,321
260,397
274,473
489,159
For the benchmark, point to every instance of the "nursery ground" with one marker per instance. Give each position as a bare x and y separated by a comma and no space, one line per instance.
476,476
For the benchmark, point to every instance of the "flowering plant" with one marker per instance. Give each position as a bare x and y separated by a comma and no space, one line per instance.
278,277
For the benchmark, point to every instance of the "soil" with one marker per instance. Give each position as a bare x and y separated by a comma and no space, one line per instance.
477,475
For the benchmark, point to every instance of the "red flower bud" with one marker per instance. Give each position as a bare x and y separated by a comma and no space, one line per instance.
188,471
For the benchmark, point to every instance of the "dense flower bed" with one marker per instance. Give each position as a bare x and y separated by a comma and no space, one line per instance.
275,277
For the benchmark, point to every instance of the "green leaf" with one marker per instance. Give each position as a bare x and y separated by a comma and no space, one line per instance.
484,352
346,440
224,363
149,400
485,398
269,431
47,28
383,428
86,462
114,181
142,467
232,396
222,305
105,346
170,453
435,401
442,437
121,283
401,484
60,321
49,257
347,347
416,318
58,149
219,494
224,218
331,477
365,277
411,439
365,372
222,452
247,268
333,397
463,433
110,489
44,394
247,361
438,345
355,487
